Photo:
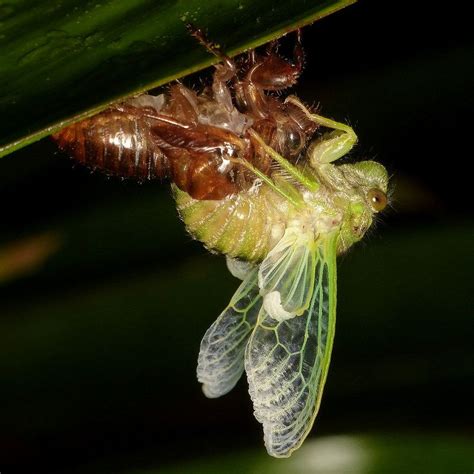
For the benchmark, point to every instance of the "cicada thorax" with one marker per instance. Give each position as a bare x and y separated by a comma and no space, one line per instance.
284,128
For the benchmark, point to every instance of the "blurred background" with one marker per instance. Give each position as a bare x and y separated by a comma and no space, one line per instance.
104,298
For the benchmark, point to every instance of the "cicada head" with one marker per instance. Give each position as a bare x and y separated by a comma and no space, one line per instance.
366,196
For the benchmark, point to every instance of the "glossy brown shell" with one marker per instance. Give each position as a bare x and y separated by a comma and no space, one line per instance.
197,140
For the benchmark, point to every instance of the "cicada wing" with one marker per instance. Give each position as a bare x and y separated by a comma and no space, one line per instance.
287,361
239,268
286,276
221,357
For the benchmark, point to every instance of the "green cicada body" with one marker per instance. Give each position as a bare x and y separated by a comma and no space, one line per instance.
282,236
249,224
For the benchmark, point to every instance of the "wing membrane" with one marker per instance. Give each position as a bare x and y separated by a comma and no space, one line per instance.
286,276
287,361
239,268
221,357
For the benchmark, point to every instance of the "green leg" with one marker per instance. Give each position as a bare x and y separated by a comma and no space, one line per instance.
332,146
292,197
293,171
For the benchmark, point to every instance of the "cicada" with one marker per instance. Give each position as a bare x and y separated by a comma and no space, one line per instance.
256,177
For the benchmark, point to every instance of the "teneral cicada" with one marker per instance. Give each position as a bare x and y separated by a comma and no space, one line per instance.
254,178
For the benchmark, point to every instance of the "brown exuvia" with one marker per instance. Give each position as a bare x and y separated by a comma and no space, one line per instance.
194,139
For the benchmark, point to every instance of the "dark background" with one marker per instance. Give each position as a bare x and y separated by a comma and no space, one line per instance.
98,345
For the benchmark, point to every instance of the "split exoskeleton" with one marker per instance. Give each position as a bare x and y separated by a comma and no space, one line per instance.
254,178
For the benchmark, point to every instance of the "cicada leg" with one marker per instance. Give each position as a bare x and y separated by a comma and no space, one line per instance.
332,146
224,72
307,181
213,48
288,192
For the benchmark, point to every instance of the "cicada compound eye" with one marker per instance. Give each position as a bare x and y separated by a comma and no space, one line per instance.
377,199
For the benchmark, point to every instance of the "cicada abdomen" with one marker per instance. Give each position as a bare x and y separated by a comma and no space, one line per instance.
116,142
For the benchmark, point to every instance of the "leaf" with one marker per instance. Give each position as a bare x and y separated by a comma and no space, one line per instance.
64,60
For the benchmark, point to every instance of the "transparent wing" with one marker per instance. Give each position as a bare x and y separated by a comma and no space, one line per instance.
287,361
221,357
286,276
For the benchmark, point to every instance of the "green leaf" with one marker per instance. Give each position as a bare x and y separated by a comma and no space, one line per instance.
64,60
